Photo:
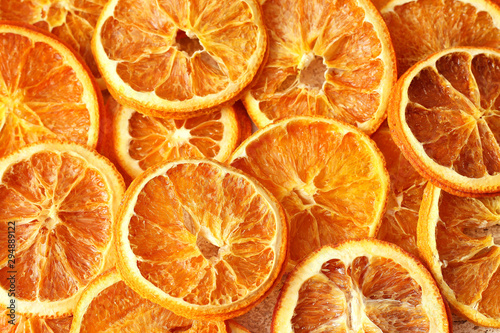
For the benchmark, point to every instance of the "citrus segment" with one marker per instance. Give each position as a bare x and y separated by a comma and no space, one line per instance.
24,324
141,141
174,59
438,25
328,176
59,201
328,59
71,21
399,224
458,238
45,92
360,286
201,239
444,121
244,121
109,305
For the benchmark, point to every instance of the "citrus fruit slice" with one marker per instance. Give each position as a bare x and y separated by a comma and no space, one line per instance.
141,141
329,177
71,21
459,240
326,58
200,238
35,324
45,91
244,121
58,204
399,224
109,305
364,286
176,58
444,115
420,28
234,327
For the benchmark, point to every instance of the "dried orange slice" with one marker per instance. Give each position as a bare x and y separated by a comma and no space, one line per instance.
459,240
326,58
58,204
445,117
175,58
399,225
364,286
244,121
329,177
141,141
24,324
45,91
234,327
109,305
200,238
71,21
420,28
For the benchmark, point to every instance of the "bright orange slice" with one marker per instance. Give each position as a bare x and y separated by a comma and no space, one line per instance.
109,305
24,324
141,141
366,286
45,91
459,240
176,58
200,238
58,204
326,58
399,225
445,117
329,177
71,21
420,28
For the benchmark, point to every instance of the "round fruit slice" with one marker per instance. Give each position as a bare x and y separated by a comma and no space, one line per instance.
364,286
459,240
71,21
173,59
200,238
109,305
420,28
58,203
234,327
141,141
399,225
329,177
326,58
45,91
444,116
35,324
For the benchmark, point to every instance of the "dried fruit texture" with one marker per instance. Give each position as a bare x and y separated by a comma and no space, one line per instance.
329,177
444,115
423,27
109,305
34,324
73,21
399,225
234,327
201,239
326,58
459,239
140,141
176,58
58,201
360,286
45,92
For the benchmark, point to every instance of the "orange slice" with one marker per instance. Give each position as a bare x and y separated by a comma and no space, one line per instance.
326,58
366,286
329,177
234,327
175,58
420,28
244,121
58,204
24,324
200,238
45,91
445,117
141,141
459,240
71,21
109,305
399,225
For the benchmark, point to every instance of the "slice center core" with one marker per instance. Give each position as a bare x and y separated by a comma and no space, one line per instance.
187,42
313,72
